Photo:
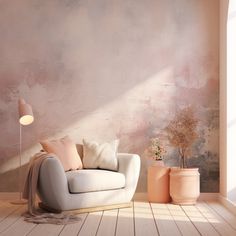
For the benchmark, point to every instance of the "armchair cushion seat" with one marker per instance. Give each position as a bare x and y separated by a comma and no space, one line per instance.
92,180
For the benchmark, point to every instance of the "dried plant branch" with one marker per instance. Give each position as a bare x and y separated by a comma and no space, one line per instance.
182,132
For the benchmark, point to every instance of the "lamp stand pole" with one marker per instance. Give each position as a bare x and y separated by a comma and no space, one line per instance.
20,201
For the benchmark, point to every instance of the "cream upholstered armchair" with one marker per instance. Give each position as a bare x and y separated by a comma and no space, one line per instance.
87,188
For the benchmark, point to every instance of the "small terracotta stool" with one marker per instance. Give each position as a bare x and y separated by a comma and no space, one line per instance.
158,184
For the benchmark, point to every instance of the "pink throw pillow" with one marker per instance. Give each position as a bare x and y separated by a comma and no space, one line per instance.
65,150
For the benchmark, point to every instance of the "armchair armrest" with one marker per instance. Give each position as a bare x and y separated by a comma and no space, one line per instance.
129,165
52,182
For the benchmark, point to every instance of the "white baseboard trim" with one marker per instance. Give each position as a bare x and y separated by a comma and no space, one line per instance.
142,196
208,197
231,206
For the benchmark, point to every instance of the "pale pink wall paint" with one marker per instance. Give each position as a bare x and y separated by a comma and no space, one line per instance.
106,69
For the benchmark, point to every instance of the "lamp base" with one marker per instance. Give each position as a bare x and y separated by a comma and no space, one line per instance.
19,202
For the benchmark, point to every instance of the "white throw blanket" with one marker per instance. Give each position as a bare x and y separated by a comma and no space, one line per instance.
35,214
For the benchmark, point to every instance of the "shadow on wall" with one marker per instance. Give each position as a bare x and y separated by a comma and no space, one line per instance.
10,179
78,57
135,116
116,71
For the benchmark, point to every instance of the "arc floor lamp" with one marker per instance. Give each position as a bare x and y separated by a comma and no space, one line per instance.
25,118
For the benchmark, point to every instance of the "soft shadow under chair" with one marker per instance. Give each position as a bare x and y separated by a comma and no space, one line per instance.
88,188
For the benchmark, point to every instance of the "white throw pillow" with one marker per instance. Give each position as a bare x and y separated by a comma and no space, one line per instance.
103,156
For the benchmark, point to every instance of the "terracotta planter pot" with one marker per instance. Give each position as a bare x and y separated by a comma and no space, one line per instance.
158,183
184,185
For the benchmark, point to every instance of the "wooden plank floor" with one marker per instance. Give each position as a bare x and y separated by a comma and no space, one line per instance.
143,219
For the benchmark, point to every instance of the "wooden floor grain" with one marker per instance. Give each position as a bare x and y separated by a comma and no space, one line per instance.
142,219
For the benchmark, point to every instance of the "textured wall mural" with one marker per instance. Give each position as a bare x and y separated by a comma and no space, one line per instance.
109,69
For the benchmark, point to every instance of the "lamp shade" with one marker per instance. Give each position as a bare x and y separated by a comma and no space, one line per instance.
25,112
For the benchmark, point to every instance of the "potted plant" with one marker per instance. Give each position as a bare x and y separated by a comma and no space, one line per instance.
156,151
181,133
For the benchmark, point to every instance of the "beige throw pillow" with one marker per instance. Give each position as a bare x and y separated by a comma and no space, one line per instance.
65,150
103,156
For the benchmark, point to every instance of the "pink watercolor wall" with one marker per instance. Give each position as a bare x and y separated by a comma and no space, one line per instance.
109,69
